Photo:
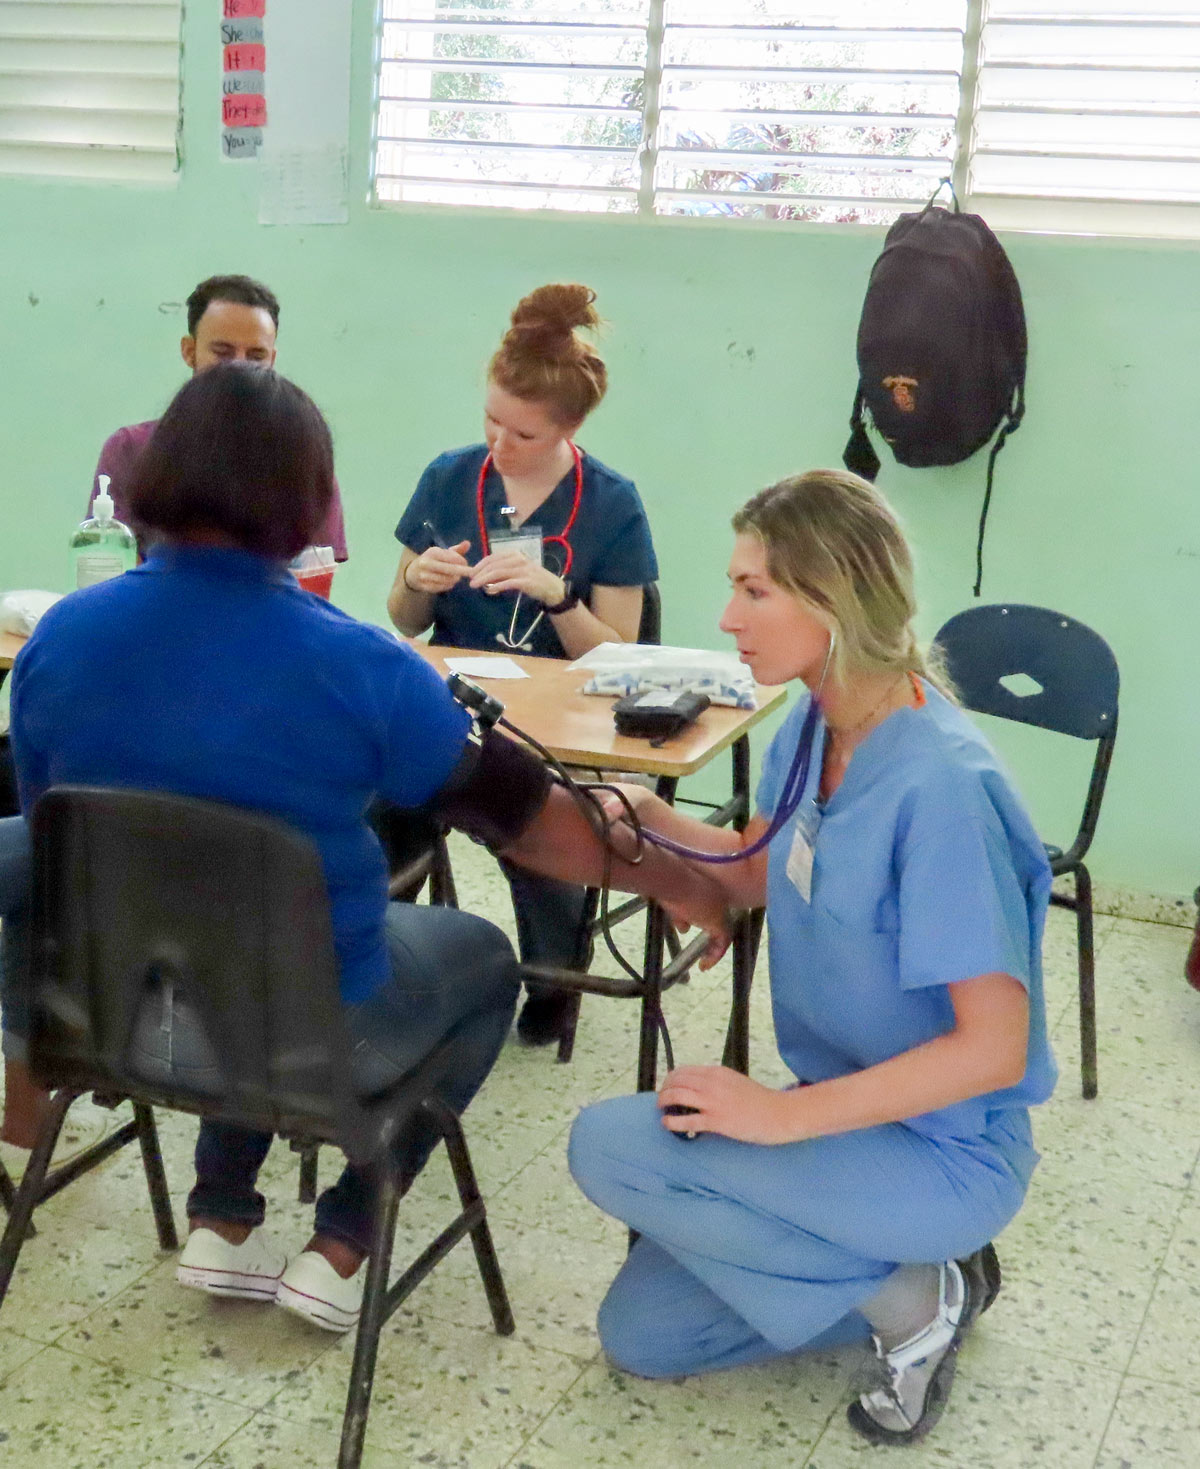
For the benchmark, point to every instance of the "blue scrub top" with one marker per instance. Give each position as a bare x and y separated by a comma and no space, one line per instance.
209,673
610,542
926,870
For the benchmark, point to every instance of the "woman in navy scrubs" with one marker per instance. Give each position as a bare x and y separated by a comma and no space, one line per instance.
462,569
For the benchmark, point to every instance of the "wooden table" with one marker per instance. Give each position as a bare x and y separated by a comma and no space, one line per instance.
578,729
11,644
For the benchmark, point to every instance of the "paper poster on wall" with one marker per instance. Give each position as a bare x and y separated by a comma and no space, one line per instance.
243,78
303,157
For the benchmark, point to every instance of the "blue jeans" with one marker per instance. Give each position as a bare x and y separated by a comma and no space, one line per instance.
452,974
16,879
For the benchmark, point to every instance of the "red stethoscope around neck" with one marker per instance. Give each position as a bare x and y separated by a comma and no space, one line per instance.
559,540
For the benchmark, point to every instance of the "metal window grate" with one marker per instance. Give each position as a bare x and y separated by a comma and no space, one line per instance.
732,107
1089,111
90,88
1053,114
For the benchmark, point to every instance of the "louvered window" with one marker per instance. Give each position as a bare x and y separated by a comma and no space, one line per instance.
1088,115
90,88
1054,114
674,106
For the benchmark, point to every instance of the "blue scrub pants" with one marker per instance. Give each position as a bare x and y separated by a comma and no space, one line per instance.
749,1252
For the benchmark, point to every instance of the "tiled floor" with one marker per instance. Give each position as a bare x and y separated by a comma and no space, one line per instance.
1088,1357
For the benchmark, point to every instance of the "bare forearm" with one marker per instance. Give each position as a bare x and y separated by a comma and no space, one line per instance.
560,842
745,882
580,630
411,612
939,1073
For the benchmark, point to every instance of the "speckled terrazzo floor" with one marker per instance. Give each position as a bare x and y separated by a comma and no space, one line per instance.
1087,1359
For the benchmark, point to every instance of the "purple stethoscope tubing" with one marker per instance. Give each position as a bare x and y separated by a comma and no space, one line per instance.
789,803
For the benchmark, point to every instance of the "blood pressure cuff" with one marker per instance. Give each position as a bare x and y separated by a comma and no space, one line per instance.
495,790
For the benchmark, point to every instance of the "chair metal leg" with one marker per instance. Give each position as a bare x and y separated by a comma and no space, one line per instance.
442,891
8,1189
156,1178
308,1171
745,955
570,1023
28,1196
1087,983
481,1234
374,1307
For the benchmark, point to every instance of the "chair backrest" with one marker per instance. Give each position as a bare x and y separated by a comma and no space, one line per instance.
650,627
133,889
1074,666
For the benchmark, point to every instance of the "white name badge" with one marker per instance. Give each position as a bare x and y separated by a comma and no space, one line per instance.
800,858
527,540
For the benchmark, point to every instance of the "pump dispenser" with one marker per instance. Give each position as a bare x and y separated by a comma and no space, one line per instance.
102,547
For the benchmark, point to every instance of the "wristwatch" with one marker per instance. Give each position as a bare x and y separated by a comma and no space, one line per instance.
570,599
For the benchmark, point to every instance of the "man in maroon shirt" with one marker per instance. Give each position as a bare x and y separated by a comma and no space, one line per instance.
230,318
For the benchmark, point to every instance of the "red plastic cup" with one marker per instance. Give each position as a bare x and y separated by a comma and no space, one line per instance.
319,580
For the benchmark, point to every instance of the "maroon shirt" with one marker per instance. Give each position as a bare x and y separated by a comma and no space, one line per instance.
122,448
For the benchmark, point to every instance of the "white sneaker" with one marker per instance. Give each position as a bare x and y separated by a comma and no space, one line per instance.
251,1269
84,1125
918,1372
312,1288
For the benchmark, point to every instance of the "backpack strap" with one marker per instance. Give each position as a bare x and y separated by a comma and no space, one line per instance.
946,183
1013,422
859,456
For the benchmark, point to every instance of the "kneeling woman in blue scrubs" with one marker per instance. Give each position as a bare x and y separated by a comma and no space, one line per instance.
463,571
905,898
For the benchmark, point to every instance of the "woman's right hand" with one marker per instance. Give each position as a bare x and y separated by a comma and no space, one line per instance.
438,569
706,906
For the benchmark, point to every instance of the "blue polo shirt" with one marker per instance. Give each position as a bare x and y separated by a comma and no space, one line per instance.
610,543
925,870
209,673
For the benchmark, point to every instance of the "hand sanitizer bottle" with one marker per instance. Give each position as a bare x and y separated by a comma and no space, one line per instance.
102,547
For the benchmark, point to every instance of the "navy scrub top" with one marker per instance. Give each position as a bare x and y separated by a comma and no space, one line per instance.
610,541
925,870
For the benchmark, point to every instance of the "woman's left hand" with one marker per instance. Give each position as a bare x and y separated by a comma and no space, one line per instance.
728,1103
511,571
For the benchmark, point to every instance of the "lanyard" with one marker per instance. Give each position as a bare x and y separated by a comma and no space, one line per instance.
561,540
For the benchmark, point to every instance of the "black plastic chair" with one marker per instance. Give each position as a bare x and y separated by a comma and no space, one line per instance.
1078,687
134,890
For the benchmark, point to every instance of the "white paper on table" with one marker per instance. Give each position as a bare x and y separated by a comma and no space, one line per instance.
499,667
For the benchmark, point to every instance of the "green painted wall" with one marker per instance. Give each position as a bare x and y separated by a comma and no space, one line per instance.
731,357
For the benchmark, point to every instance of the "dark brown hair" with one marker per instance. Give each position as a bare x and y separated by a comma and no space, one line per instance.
242,451
239,289
542,360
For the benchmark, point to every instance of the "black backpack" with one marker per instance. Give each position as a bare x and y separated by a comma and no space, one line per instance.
941,348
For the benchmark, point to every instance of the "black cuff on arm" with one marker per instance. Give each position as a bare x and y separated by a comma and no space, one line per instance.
495,790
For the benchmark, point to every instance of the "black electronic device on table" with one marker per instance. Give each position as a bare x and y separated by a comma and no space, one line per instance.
657,715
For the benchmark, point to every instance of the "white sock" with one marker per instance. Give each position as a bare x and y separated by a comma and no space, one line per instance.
907,1301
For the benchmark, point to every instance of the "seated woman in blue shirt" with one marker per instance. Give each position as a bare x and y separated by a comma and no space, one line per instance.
906,893
461,571
248,690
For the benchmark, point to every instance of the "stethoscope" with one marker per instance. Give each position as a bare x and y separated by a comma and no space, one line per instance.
794,785
524,643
